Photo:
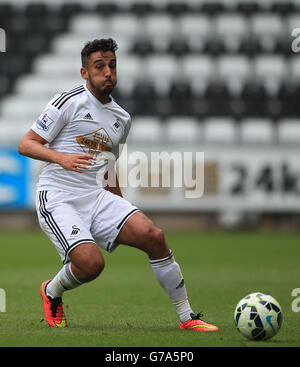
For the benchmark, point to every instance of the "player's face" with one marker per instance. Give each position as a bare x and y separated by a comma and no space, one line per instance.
101,72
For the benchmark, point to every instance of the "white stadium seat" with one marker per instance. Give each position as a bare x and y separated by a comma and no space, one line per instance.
219,130
130,69
57,65
87,24
293,21
234,68
158,25
23,110
182,129
35,86
289,131
124,26
161,70
268,68
267,25
198,70
145,129
197,26
294,68
256,130
232,26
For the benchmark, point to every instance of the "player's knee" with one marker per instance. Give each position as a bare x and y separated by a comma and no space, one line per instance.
154,236
92,268
156,245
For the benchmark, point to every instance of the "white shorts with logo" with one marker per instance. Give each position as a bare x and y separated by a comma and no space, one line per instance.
70,220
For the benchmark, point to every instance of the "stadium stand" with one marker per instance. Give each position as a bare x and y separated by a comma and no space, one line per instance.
213,63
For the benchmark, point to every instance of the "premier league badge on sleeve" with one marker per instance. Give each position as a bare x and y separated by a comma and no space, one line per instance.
44,122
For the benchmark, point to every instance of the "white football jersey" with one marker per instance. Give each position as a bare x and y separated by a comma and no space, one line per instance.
77,122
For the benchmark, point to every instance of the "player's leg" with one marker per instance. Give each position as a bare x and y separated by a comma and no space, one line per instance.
140,232
119,222
86,264
82,258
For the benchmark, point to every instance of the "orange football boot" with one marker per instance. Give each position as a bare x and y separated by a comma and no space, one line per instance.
197,324
53,310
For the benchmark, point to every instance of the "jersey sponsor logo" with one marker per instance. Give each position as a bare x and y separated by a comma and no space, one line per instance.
95,142
44,122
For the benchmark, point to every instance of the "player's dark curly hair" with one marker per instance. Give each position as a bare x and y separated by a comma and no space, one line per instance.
103,45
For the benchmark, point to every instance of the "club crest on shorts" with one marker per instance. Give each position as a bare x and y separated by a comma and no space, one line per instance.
75,230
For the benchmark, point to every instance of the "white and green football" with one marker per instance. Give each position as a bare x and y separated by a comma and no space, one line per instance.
258,316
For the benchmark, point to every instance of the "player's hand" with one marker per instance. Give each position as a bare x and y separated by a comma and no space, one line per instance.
76,162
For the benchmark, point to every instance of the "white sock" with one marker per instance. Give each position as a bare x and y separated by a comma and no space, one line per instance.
168,274
63,280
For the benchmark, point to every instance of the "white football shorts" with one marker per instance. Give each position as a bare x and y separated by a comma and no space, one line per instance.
70,220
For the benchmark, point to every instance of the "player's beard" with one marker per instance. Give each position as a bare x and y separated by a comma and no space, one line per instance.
103,93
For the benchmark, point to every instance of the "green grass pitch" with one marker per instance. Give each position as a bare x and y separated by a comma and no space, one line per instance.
125,307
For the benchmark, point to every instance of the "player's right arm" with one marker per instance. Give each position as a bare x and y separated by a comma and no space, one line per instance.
33,145
49,124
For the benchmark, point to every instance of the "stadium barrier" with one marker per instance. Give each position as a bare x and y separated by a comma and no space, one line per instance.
220,178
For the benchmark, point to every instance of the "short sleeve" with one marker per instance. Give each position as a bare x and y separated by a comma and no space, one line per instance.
126,132
49,123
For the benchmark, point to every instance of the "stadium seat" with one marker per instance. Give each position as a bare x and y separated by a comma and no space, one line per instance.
257,131
142,47
161,71
254,96
270,68
57,65
145,129
292,22
35,86
219,130
143,99
194,25
23,110
218,97
234,70
289,131
123,25
182,129
198,71
159,25
86,24
130,71
232,28
294,69
268,25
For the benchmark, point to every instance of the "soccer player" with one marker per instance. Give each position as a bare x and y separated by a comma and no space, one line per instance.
73,135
